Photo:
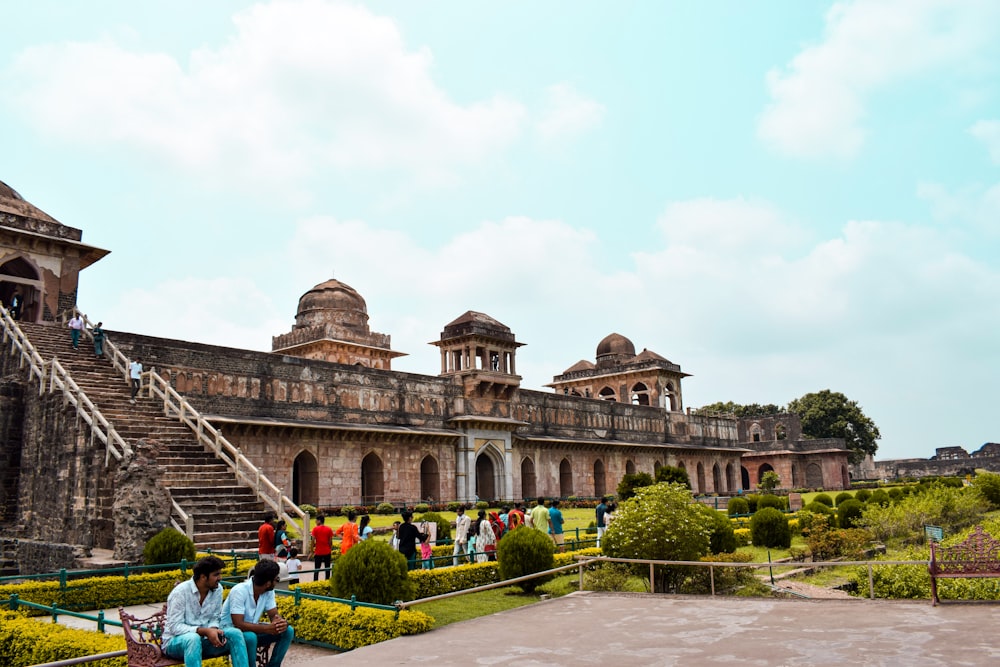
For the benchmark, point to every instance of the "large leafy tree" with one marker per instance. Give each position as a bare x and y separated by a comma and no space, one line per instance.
659,523
751,410
830,414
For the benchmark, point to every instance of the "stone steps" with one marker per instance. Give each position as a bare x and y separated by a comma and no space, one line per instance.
226,514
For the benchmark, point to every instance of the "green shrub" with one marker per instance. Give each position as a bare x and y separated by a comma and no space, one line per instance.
24,641
951,508
673,475
727,579
336,625
742,536
849,513
769,528
308,509
374,572
879,497
841,497
482,505
631,482
806,519
737,505
987,484
771,500
895,493
827,543
421,507
347,509
591,528
823,498
863,495
612,577
168,546
444,526
769,481
722,540
453,506
525,551
385,508
751,499
818,508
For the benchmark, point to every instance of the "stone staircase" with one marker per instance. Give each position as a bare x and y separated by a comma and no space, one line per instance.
226,514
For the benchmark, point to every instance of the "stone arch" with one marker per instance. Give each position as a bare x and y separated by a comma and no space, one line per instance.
630,467
756,432
669,397
607,394
565,478
305,479
430,480
744,478
489,473
717,478
814,476
656,468
600,484
765,467
528,489
372,479
640,394
20,274
701,478
780,432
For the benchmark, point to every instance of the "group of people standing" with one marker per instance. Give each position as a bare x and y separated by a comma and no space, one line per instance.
77,325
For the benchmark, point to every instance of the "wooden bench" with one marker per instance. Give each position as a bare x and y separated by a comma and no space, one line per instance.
977,556
143,639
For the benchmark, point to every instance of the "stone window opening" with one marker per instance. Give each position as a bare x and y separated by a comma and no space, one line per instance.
780,432
607,394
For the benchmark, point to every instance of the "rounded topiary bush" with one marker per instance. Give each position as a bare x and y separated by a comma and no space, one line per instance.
421,507
168,546
525,551
723,539
818,508
849,512
385,508
482,505
444,526
769,528
770,500
374,572
863,495
823,498
895,493
737,506
752,499
880,497
841,497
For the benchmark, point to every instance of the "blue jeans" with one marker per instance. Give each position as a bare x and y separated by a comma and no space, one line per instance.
281,642
192,647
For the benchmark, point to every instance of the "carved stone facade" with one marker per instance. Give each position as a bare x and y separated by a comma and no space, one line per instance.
775,443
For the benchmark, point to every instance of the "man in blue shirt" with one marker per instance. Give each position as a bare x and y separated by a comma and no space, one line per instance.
602,510
556,524
248,602
194,610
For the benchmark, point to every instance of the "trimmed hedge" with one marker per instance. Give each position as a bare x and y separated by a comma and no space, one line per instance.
336,624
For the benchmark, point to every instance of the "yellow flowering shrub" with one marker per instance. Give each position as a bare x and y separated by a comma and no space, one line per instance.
335,623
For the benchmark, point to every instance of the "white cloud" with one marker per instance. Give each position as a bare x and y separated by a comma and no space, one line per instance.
301,84
819,100
988,131
568,113
975,205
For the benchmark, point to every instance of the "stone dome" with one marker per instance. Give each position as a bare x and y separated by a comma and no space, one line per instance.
332,302
615,344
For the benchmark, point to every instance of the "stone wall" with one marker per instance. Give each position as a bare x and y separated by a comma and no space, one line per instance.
38,557
11,417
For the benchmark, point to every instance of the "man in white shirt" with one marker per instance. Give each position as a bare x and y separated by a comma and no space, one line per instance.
462,523
194,609
135,374
75,327
250,600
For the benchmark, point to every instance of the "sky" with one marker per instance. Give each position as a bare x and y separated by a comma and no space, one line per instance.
782,197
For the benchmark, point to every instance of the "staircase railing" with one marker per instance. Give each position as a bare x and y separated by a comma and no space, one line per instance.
175,405
59,378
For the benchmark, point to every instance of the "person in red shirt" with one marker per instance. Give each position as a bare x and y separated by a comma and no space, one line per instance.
322,536
348,533
265,538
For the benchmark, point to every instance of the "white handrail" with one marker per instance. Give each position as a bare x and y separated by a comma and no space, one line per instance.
175,405
59,378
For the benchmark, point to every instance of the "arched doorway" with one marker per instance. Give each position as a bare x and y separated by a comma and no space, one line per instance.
656,468
814,476
305,480
430,480
640,394
486,476
372,480
565,479
744,479
599,483
701,478
629,467
527,478
19,276
763,469
607,394
717,479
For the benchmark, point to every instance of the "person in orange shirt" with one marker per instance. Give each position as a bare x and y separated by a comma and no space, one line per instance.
348,533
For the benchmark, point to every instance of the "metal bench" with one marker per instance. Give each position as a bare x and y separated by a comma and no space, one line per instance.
977,556
143,638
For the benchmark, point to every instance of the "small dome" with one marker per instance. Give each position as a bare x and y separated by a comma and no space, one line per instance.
582,365
615,344
332,302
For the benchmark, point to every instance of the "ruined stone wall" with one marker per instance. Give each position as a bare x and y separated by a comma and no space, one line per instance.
11,418
39,557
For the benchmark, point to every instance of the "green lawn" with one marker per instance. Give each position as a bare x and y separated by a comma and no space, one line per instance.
474,605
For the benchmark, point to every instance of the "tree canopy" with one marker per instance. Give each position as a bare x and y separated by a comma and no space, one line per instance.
830,414
750,410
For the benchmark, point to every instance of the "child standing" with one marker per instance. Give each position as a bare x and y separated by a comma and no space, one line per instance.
294,565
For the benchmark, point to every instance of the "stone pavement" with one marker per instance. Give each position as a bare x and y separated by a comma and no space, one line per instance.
636,629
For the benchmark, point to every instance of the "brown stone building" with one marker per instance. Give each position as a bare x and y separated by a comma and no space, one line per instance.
325,417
